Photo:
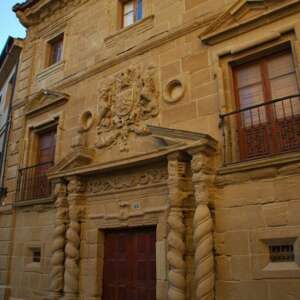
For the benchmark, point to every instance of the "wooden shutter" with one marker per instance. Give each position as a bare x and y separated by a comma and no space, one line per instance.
283,82
250,91
46,147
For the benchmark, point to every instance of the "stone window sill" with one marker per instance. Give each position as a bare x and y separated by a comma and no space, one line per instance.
33,267
50,70
33,202
275,160
137,28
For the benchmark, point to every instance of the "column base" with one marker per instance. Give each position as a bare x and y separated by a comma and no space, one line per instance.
4,292
70,296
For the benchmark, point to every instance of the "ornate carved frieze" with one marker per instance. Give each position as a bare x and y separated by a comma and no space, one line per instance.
116,182
130,99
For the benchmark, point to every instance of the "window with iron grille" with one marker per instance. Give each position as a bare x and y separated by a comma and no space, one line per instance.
282,253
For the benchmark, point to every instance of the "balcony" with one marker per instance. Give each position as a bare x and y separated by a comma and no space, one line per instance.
261,130
33,183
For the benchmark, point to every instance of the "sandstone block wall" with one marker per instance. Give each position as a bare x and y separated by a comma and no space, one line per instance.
33,230
254,208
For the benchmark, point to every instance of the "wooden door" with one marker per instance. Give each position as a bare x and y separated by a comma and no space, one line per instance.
270,128
129,265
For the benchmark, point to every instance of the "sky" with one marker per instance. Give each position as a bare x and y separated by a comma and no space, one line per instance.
9,24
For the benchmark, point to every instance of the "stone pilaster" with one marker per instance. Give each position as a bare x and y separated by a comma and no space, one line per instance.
72,249
59,241
203,227
176,244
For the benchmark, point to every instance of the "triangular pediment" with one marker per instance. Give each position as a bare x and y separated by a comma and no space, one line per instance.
44,100
83,160
77,158
246,14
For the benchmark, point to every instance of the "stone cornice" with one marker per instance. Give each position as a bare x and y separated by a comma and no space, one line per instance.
205,144
43,100
211,36
33,12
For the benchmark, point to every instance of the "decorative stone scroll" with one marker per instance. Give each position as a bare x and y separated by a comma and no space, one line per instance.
72,249
112,182
58,245
176,244
124,105
203,228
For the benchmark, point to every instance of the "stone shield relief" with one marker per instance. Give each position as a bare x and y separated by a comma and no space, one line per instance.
124,106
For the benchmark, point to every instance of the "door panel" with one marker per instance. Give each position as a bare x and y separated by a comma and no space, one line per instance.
129,265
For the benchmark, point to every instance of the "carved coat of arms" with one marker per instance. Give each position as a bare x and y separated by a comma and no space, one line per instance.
124,105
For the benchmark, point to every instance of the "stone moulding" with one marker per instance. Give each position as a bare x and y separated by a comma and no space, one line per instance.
43,101
147,45
33,12
233,23
111,183
137,28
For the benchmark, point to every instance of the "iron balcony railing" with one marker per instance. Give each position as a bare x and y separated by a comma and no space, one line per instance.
33,182
261,130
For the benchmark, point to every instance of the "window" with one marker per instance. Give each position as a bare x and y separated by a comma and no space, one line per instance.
265,127
55,49
282,253
132,11
33,180
263,80
36,255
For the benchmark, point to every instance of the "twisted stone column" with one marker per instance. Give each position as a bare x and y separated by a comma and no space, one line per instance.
203,229
72,249
176,251
176,242
58,245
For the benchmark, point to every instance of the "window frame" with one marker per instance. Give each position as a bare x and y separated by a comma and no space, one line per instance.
59,38
135,12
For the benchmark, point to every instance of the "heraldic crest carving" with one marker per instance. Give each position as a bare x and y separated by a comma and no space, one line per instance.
124,105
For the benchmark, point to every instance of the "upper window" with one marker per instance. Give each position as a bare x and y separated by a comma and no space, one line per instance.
132,11
55,50
268,115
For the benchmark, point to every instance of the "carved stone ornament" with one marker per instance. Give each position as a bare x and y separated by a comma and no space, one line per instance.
110,183
124,106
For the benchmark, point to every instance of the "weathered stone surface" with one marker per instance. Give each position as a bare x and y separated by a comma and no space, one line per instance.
214,226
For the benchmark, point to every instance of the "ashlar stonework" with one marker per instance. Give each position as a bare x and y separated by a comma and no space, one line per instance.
145,132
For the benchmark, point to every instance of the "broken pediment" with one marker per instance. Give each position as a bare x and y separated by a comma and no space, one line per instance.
85,161
44,100
77,158
245,15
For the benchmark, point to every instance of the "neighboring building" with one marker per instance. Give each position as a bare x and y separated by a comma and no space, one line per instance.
154,152
9,60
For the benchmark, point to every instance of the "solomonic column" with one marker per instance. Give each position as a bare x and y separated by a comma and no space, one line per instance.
58,244
72,249
203,227
178,193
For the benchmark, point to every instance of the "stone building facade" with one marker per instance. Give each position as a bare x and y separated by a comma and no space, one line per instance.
154,152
